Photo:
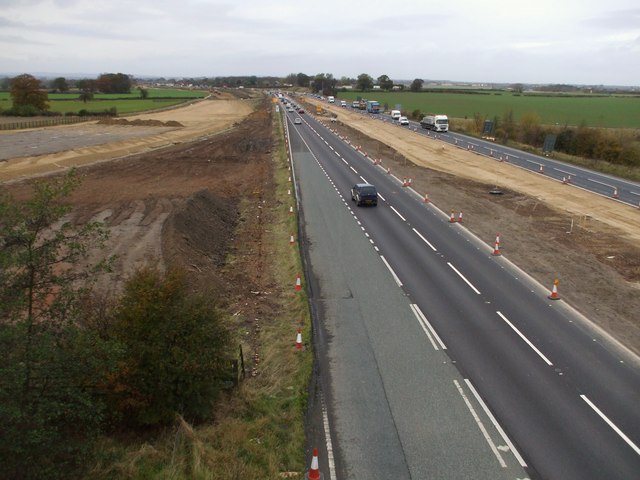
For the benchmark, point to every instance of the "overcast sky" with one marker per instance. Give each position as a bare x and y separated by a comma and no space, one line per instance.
537,41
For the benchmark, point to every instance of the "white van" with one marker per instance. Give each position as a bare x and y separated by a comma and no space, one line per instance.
331,99
396,114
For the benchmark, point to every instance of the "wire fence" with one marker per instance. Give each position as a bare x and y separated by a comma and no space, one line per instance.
44,122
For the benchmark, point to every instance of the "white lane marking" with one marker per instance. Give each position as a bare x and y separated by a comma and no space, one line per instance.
427,327
381,197
354,170
515,452
535,349
601,183
346,163
480,425
337,154
563,171
463,278
363,179
395,277
327,436
611,424
398,213
425,240
634,193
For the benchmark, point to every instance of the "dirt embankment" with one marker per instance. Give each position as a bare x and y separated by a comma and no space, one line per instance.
548,229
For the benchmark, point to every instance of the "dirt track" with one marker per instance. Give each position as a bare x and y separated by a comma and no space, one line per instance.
162,204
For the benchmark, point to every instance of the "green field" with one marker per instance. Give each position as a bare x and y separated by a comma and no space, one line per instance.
123,102
594,111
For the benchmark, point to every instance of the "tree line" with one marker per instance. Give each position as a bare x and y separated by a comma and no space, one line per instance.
75,364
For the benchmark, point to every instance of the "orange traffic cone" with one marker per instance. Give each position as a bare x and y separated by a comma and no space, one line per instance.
426,198
314,471
290,210
554,291
615,192
299,340
291,240
496,250
498,238
298,283
460,217
541,169
452,219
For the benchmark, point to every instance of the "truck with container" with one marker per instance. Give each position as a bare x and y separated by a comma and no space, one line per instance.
373,106
437,123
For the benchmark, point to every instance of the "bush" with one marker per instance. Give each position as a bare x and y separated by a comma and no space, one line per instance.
176,351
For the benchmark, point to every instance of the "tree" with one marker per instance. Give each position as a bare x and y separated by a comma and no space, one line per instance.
177,350
114,83
144,93
50,366
364,82
26,91
60,84
416,85
324,83
385,82
302,80
85,97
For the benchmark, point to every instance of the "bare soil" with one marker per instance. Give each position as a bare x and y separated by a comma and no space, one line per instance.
193,195
550,230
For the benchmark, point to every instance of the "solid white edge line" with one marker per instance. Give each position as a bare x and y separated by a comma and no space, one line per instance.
611,424
398,213
395,277
424,327
463,278
533,347
480,425
425,240
424,320
515,452
327,436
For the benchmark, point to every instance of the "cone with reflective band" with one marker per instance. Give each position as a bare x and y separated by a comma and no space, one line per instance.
452,219
291,210
498,238
426,198
541,169
291,240
615,192
299,340
554,291
314,471
496,250
298,283
460,217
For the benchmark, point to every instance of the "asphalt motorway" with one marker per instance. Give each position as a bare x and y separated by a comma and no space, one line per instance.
620,189
444,360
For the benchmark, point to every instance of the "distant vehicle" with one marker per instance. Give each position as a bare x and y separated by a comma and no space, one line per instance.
355,104
301,110
297,121
396,114
331,99
343,103
438,123
364,194
373,106
403,121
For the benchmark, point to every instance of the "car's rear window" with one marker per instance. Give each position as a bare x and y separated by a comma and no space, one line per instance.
368,191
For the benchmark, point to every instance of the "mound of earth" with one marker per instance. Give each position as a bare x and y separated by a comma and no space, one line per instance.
138,122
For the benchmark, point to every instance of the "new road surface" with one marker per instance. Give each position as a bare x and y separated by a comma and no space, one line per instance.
439,358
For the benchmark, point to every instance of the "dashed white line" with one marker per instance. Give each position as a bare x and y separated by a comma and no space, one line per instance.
381,197
463,278
427,327
353,169
393,274
611,424
480,425
515,452
398,213
533,347
424,240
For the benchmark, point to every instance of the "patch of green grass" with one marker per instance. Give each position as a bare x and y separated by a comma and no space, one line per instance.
595,111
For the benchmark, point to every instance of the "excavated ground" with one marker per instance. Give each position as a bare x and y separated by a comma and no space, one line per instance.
181,204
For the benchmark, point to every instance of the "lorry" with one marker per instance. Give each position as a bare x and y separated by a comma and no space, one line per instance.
437,123
396,114
373,106
331,99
